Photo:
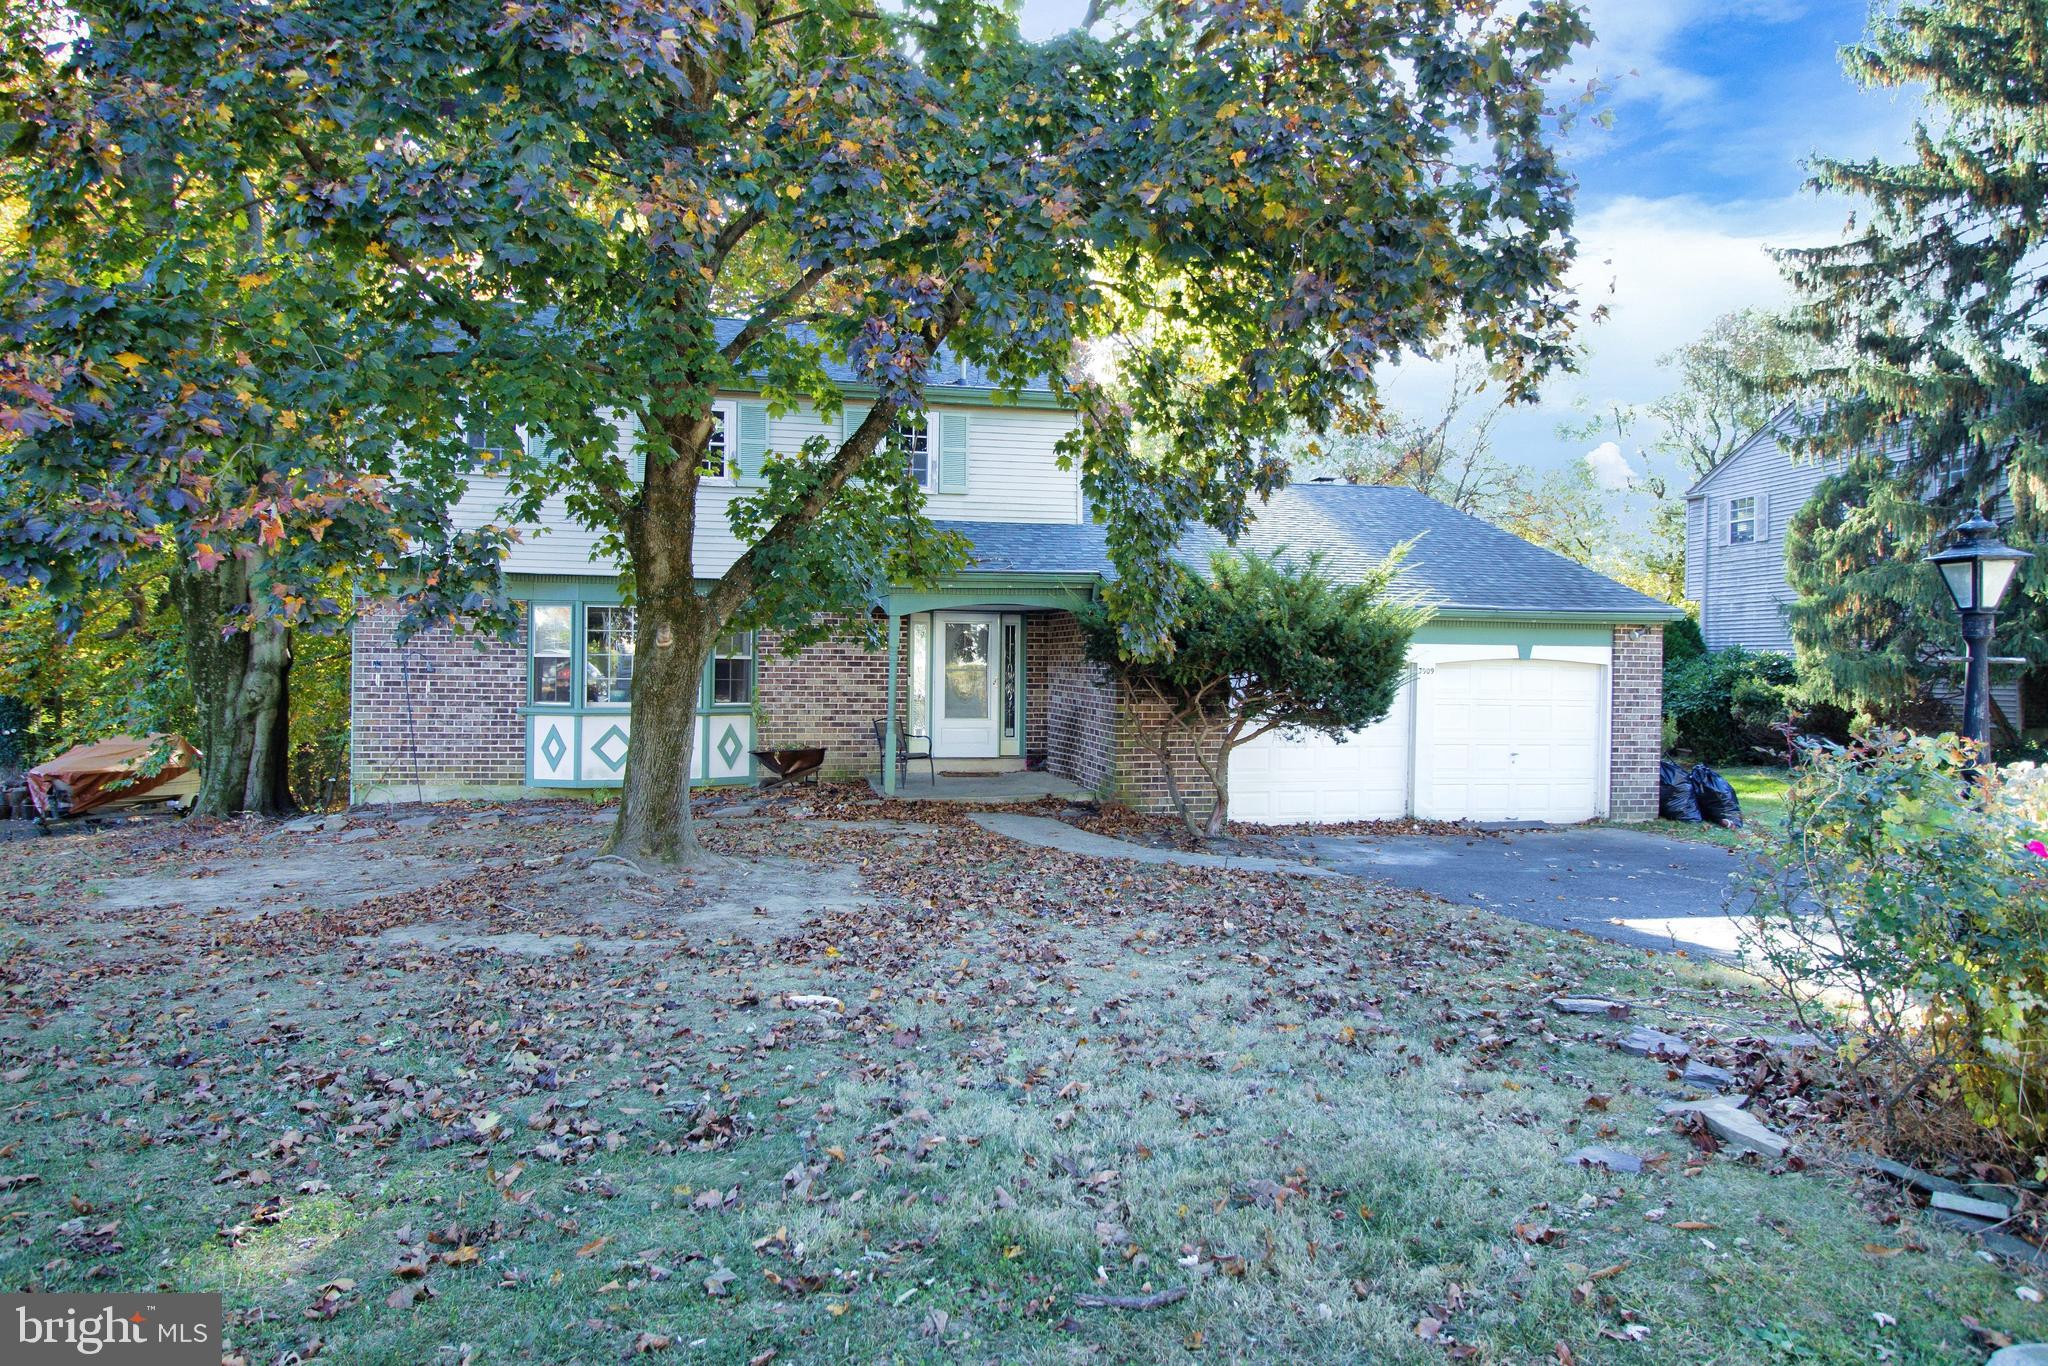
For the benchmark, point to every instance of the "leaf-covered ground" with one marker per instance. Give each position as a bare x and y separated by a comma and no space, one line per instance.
888,1089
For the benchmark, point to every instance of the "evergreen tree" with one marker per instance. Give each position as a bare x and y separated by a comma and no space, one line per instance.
1933,316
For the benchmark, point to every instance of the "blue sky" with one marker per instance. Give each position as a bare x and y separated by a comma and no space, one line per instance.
1715,106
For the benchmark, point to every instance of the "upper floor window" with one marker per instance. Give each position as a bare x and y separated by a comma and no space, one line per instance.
607,656
1741,520
913,440
487,441
717,456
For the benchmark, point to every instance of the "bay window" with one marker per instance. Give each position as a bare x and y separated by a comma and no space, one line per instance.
598,644
552,656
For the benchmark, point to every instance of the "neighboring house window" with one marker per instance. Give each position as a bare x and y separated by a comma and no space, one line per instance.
1741,520
913,439
551,655
607,656
732,670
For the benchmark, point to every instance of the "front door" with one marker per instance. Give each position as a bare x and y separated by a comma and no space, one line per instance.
965,724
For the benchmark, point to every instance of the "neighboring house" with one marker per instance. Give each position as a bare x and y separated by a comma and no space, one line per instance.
1736,517
1534,693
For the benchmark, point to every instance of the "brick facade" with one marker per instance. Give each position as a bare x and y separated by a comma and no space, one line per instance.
1080,709
1636,722
438,716
442,716
1140,777
828,694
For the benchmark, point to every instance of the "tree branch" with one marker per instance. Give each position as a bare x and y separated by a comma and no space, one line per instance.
771,312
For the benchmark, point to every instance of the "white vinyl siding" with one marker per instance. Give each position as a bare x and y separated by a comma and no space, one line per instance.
1011,475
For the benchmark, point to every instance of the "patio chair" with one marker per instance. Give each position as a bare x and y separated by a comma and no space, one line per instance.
915,745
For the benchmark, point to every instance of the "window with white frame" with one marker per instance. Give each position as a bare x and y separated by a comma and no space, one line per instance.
913,441
732,670
607,656
717,456
1741,520
553,653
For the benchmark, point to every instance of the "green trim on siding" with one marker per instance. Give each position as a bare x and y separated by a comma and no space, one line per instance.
1057,592
602,589
937,396
1461,631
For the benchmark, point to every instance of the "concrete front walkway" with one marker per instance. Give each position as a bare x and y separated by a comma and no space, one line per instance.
1048,833
1020,786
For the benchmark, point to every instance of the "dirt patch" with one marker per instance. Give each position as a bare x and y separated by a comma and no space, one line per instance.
326,876
753,898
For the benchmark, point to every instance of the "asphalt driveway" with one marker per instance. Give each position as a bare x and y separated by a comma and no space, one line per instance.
1629,886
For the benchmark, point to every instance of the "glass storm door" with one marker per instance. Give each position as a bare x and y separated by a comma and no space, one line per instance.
965,721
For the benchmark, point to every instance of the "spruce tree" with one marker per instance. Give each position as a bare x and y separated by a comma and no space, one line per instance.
1933,315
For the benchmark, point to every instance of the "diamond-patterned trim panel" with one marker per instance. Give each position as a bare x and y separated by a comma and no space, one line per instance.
613,739
553,748
730,746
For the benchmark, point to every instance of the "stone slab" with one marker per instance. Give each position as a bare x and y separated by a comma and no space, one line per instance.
1644,1042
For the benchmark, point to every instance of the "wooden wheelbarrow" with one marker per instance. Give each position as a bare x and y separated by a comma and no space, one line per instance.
789,765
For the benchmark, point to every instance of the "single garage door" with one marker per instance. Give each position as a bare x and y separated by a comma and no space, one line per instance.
1282,780
1510,740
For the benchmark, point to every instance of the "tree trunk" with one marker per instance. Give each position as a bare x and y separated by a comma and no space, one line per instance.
654,822
238,672
675,629
1218,824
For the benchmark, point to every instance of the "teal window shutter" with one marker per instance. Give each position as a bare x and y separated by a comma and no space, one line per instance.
953,452
850,418
751,448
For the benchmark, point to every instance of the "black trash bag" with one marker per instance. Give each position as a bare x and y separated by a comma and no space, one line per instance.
1717,801
1675,801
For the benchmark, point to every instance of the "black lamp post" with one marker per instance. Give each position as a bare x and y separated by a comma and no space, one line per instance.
1978,570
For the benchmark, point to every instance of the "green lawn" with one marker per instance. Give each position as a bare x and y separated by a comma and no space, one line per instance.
1761,790
537,1107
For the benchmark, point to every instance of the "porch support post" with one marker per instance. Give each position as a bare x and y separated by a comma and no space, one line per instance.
889,719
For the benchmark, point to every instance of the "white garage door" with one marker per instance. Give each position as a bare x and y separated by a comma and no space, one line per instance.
1512,739
1277,780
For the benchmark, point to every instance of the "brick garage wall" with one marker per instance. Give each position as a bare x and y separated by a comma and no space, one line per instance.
1140,777
462,729
1636,724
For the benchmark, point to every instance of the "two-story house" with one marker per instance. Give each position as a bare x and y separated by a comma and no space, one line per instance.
1534,693
1736,517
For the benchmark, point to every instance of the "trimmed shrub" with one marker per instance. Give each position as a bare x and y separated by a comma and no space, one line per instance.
1721,705
1683,641
1901,888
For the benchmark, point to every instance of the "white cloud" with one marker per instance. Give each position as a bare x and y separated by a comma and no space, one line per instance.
1610,467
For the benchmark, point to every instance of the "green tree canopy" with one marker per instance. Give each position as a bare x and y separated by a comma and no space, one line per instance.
1260,203
190,392
1263,643
1933,316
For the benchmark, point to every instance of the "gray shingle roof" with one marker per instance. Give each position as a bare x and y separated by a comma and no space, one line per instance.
951,371
1458,564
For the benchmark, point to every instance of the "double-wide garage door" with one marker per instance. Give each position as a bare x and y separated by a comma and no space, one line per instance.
1485,740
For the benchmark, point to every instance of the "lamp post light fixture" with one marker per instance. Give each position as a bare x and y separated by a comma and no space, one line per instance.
1978,569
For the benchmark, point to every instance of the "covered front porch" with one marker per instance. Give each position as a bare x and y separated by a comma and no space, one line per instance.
974,666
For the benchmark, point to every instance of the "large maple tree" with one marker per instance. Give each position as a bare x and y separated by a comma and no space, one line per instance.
1257,203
